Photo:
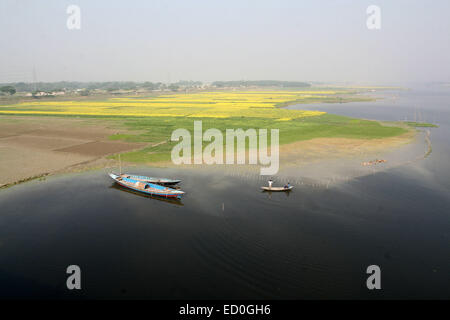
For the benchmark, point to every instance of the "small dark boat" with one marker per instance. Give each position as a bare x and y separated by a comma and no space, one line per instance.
146,187
277,189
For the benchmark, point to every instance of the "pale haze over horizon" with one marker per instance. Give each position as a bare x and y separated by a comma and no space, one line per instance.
168,41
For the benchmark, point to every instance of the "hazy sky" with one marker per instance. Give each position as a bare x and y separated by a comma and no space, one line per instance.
210,40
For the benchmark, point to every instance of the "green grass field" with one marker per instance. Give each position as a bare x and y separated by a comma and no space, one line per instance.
421,124
156,130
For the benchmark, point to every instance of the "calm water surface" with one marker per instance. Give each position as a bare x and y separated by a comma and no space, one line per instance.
226,239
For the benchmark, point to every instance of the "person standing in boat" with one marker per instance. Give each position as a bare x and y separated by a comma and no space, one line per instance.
270,183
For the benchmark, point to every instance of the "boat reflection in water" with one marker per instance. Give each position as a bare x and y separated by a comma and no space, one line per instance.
277,193
175,201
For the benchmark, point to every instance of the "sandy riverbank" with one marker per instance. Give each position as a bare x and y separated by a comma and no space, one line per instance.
324,161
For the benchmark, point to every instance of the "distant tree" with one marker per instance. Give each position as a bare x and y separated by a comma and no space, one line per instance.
149,85
8,89
190,83
174,87
85,93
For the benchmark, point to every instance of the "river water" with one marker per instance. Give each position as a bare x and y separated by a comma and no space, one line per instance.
226,239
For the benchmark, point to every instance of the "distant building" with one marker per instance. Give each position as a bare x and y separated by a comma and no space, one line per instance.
46,94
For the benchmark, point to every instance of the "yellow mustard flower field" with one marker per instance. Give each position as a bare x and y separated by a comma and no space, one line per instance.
258,104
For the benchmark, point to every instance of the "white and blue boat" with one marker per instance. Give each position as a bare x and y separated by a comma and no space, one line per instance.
146,187
161,181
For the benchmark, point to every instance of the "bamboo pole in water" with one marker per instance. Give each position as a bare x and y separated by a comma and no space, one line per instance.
120,166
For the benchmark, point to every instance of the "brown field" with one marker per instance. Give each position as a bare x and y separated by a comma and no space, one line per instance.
100,148
32,147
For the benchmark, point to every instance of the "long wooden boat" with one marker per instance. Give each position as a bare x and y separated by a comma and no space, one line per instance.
175,201
277,189
146,187
161,181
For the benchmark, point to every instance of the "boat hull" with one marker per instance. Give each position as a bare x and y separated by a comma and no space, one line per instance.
277,189
118,187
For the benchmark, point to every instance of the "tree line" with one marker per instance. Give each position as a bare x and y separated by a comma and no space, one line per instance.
110,86
261,83
107,86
